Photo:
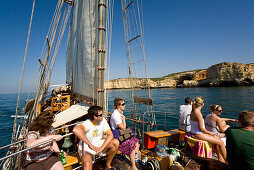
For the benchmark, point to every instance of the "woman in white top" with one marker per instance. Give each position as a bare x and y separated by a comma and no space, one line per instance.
199,131
117,121
216,124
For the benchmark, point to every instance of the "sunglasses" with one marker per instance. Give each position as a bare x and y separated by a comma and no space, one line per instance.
219,110
123,104
99,115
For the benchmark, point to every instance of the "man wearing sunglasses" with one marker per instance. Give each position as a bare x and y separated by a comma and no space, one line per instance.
90,132
240,143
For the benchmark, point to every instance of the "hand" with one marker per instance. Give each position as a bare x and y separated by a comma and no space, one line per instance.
94,148
57,137
65,154
59,153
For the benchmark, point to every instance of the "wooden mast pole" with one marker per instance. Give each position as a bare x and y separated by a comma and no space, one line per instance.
101,53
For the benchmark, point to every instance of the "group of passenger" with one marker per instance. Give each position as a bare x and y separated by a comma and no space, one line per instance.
91,134
238,150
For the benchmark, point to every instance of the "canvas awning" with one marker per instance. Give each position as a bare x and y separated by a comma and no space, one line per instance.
74,112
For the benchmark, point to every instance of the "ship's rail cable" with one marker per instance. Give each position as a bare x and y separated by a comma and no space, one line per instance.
62,30
26,149
23,140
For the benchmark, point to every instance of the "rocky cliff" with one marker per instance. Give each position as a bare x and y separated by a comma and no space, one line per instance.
223,74
230,74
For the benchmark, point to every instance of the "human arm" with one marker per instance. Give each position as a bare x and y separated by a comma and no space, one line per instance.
119,120
123,124
222,126
32,140
200,121
107,141
80,133
230,120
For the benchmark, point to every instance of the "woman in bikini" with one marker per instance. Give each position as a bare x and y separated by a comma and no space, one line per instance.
199,132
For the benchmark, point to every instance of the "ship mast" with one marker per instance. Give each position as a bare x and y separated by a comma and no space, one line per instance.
101,53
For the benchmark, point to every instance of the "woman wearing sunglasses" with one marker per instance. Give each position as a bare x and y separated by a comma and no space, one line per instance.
216,124
199,131
128,146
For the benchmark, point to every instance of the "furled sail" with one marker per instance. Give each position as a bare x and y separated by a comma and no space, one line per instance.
81,55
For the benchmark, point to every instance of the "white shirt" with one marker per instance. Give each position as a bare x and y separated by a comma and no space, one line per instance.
115,119
94,133
184,118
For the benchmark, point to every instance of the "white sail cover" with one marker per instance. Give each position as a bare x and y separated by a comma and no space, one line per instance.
70,114
81,55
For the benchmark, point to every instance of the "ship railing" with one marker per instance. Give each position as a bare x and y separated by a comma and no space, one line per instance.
26,149
166,114
24,140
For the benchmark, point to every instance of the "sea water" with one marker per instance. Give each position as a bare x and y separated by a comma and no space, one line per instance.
232,99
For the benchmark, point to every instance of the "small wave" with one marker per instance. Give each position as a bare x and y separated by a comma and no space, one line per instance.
4,115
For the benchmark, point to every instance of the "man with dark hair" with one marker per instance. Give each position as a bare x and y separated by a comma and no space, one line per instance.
91,134
240,143
184,115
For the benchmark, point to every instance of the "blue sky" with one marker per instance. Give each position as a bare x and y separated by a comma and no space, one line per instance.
180,35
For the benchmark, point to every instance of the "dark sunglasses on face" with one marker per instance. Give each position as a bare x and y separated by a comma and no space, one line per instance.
99,115
123,104
219,111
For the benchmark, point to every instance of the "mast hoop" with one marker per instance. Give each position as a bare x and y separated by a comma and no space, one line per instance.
100,90
102,28
101,68
102,4
101,51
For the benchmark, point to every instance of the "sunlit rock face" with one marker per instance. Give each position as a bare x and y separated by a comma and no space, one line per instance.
231,74
223,74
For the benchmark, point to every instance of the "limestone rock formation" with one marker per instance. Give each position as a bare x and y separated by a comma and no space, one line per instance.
125,83
231,74
223,74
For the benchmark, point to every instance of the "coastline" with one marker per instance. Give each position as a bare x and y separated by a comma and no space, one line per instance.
219,75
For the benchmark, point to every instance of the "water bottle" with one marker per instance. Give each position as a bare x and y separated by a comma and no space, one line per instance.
137,160
144,160
63,159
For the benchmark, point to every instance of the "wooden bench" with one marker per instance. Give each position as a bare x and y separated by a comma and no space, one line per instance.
71,160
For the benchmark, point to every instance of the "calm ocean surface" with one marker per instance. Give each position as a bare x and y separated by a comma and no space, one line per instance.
232,99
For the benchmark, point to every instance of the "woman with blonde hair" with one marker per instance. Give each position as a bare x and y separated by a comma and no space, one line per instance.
129,146
199,131
216,124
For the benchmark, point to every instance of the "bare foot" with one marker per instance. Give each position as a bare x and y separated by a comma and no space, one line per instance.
134,168
108,167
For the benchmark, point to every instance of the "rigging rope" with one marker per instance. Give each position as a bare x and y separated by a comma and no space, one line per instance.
14,136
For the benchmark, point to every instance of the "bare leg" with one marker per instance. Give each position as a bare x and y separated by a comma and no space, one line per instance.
57,166
87,160
132,158
221,149
111,150
218,153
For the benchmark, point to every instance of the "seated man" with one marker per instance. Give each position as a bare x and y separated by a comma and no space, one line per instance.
184,115
240,143
90,132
